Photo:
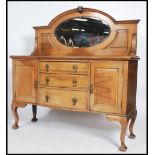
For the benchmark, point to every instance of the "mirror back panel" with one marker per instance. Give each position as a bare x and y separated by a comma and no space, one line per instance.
88,32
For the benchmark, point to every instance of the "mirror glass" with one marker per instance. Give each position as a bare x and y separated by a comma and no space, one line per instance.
82,32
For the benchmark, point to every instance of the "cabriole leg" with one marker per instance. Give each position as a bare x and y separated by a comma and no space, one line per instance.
34,110
14,108
124,124
133,118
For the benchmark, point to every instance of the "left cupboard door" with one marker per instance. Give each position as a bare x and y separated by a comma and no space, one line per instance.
25,80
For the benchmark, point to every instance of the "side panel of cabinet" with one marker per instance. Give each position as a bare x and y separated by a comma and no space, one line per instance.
25,79
107,82
132,85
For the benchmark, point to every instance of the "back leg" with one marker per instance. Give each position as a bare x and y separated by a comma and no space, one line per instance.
34,111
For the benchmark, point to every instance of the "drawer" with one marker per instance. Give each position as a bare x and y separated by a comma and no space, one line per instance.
73,67
26,62
58,98
64,81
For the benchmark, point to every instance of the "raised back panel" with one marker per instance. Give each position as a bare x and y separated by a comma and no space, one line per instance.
46,43
121,39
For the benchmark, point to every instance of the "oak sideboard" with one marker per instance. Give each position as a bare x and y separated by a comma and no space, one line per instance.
83,60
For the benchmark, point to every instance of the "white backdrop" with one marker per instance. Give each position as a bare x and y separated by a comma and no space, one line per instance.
23,15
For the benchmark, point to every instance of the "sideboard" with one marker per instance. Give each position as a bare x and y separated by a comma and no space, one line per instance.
84,60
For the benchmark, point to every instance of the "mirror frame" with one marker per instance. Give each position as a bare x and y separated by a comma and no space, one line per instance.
97,19
56,22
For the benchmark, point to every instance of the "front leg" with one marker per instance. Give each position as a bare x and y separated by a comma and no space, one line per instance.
133,118
14,108
34,110
124,123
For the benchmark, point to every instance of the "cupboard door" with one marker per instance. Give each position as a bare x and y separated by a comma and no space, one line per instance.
106,80
26,81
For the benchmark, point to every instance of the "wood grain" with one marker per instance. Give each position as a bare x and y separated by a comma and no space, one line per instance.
106,78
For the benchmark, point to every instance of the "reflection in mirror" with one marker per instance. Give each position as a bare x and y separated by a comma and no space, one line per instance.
82,32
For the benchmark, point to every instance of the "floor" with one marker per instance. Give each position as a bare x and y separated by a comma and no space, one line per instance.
60,131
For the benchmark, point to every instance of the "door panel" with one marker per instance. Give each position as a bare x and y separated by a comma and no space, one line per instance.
25,78
106,78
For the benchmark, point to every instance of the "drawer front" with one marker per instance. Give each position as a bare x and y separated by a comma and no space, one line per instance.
58,98
73,67
64,81
26,63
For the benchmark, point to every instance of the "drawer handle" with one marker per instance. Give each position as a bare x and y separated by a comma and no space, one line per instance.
74,83
47,80
35,84
47,98
91,89
74,100
47,67
75,67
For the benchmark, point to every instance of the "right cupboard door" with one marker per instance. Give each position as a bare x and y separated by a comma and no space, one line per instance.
106,83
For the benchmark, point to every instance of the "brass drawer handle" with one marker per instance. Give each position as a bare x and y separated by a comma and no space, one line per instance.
75,67
74,100
35,84
47,98
91,89
74,83
47,80
47,67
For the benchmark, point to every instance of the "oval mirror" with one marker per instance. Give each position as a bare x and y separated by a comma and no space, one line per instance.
82,32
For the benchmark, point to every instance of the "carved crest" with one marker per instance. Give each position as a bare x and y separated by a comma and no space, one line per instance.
80,9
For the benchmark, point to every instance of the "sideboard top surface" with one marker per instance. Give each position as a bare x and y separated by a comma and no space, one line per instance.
77,57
